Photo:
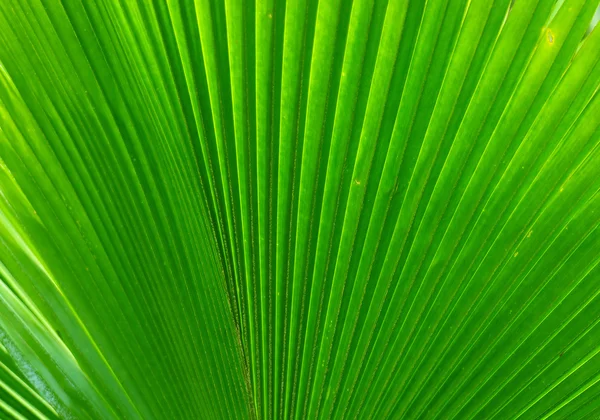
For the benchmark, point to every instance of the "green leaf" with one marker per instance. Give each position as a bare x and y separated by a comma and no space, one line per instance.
299,209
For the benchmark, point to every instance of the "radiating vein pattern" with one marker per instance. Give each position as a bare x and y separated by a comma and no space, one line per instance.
300,209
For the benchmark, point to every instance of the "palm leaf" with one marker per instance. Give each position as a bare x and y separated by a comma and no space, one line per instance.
300,209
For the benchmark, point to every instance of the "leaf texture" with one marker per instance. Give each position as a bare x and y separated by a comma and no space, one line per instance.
300,209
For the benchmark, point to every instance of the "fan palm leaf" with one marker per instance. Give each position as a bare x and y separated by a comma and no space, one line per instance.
300,209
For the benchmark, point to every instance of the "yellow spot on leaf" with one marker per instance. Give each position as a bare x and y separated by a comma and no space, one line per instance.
550,37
